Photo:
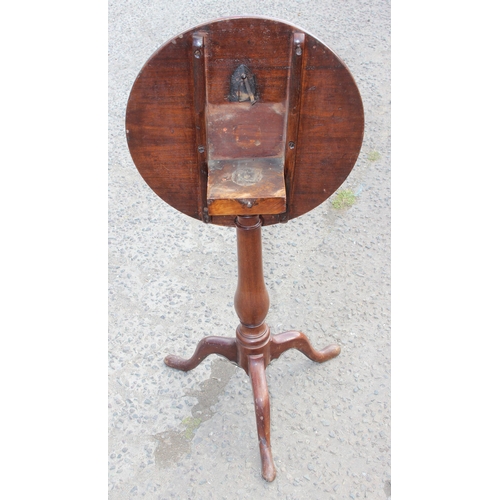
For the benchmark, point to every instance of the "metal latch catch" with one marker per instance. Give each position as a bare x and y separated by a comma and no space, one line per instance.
242,85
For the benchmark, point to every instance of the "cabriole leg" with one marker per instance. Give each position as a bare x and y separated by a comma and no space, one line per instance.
257,372
209,345
297,340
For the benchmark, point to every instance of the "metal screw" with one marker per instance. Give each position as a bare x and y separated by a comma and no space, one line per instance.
298,49
201,149
249,204
197,53
291,144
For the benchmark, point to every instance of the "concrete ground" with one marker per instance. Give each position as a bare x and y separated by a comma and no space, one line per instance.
172,280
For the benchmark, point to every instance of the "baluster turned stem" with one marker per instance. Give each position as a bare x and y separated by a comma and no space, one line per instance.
251,300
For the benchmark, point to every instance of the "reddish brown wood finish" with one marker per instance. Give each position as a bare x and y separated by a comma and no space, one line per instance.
293,118
250,186
297,340
324,122
304,121
257,373
246,159
254,347
200,120
251,300
242,130
209,345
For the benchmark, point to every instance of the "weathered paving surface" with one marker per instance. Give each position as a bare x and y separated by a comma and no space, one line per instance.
172,280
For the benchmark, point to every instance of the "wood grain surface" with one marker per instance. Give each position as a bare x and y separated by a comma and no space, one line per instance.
166,121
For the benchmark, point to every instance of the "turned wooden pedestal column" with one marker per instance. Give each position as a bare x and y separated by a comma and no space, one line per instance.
254,347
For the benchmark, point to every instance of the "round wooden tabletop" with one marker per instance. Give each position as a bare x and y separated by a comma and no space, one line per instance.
308,107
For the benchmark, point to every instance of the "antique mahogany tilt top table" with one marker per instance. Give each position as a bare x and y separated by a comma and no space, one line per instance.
246,122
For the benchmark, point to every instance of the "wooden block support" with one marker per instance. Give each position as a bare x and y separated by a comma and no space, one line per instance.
249,186
246,159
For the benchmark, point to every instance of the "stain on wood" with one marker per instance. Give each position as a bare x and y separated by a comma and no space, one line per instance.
250,186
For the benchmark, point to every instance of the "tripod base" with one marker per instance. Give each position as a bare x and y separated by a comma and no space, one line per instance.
254,347
254,356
